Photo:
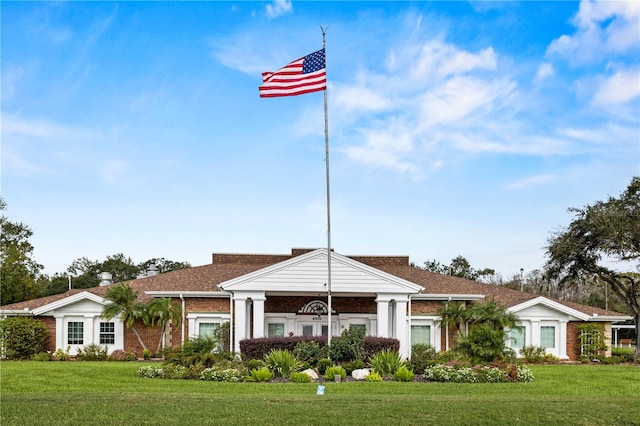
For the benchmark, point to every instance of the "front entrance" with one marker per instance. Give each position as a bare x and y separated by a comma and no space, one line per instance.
313,328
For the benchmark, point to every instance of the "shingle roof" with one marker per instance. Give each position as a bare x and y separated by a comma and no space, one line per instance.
229,266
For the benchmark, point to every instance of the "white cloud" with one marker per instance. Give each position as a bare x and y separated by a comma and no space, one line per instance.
532,181
278,7
619,88
17,125
545,71
602,28
114,171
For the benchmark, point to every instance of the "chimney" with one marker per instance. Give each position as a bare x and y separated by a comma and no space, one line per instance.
152,271
105,278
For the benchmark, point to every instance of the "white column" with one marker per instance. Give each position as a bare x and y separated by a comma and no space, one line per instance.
535,333
562,343
258,315
401,328
382,317
59,332
89,330
240,303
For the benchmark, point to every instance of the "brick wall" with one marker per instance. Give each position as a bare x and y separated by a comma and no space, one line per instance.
206,304
50,323
573,343
425,306
342,305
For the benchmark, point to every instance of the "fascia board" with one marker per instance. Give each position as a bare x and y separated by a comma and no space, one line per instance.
550,304
447,297
85,295
234,283
177,293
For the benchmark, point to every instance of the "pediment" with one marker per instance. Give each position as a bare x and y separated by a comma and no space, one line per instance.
83,302
541,307
309,273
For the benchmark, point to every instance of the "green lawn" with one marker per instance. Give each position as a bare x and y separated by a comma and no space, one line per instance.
110,393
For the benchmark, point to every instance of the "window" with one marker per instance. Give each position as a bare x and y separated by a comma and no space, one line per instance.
75,333
107,333
547,337
518,337
420,335
207,328
275,329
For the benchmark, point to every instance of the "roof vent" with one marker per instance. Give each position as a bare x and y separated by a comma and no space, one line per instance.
152,271
105,278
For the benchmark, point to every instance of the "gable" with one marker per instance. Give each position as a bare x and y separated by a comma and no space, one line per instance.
80,303
543,308
308,273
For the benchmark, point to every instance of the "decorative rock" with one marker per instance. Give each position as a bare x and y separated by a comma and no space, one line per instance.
360,374
311,373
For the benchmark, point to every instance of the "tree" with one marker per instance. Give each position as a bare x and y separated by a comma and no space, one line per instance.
487,324
162,312
124,303
163,265
459,267
602,236
18,270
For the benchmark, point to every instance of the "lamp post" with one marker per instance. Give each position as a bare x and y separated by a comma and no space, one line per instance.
521,279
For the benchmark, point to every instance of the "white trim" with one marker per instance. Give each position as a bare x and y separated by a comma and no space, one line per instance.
85,295
244,282
175,293
550,304
448,297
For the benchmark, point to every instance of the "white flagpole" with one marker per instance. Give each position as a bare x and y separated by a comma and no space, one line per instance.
326,150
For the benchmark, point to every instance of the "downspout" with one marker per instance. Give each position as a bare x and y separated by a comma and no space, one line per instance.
183,303
408,332
231,341
446,332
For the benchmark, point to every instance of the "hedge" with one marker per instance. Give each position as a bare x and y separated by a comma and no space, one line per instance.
257,348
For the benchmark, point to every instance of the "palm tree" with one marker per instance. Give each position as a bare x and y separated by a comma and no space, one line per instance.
163,312
124,304
453,314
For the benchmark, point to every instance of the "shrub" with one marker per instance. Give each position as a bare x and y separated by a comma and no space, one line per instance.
532,354
373,377
349,346
92,352
373,345
149,371
310,352
591,339
258,348
282,362
403,374
60,355
221,375
146,354
323,364
353,365
173,371
386,362
334,371
463,373
41,356
262,374
298,377
483,344
255,364
422,356
22,337
120,355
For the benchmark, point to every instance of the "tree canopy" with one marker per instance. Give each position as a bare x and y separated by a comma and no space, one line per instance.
459,267
18,270
602,241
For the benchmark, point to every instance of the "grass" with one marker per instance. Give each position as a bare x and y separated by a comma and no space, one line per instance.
110,393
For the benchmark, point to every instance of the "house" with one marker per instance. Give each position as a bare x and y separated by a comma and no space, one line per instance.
280,295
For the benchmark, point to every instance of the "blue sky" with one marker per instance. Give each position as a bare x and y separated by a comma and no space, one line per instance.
455,128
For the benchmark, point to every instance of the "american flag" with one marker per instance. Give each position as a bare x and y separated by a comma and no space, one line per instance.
304,75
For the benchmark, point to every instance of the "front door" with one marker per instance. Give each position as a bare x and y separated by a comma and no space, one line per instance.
314,327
